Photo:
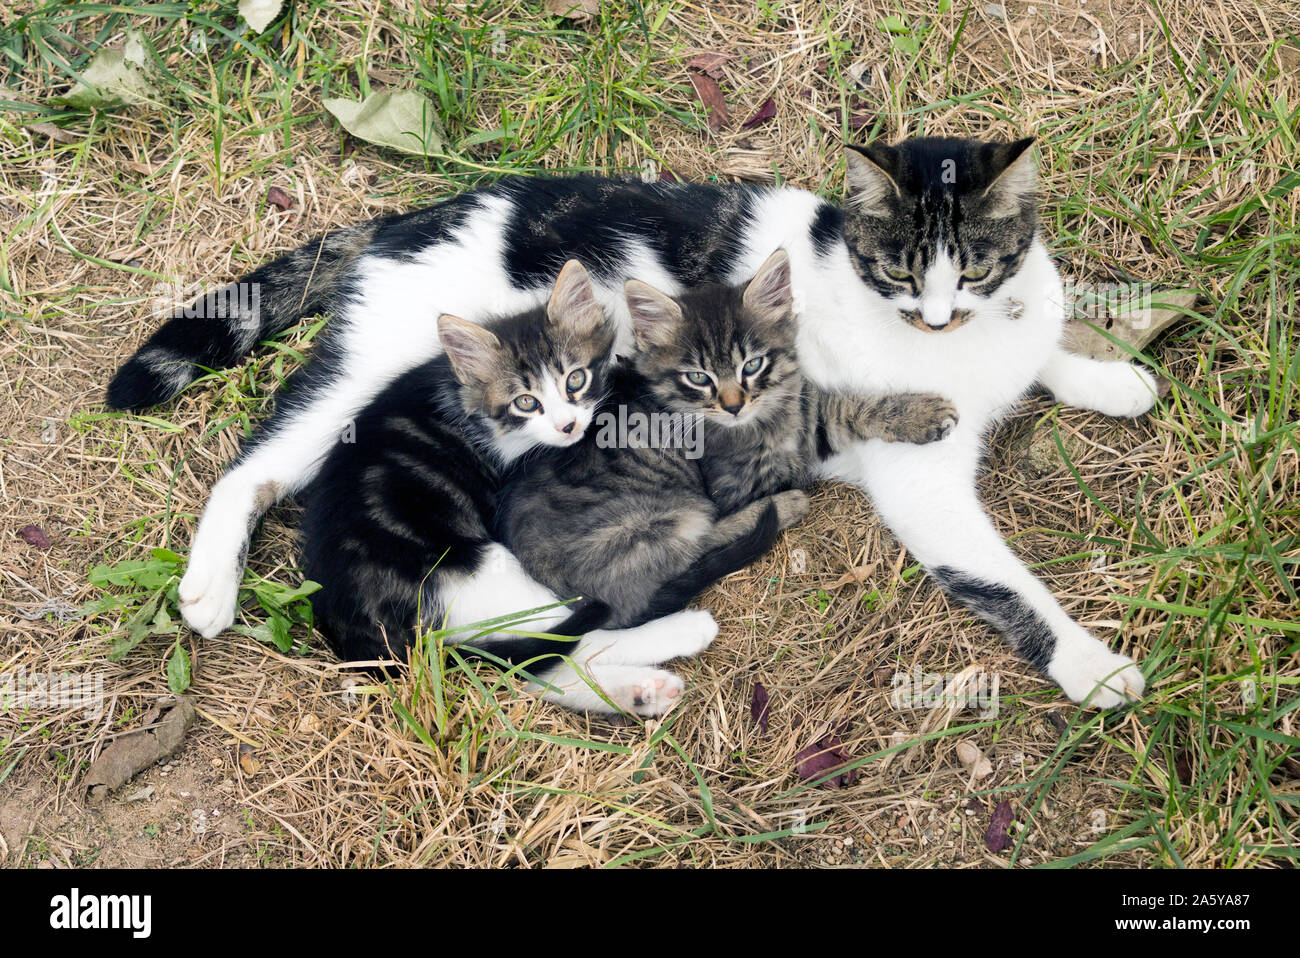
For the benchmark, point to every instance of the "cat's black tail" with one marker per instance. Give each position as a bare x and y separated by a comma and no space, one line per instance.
220,327
712,566
585,615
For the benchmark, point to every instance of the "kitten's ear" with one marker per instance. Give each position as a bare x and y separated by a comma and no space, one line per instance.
474,351
655,317
869,173
768,297
573,302
1014,185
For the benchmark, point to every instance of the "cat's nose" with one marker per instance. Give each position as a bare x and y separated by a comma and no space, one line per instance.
733,404
568,430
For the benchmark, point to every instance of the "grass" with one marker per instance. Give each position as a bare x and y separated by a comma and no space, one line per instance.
1167,131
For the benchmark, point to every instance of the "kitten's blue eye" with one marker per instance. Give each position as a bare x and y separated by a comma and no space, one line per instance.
975,273
894,272
526,403
577,379
699,379
753,366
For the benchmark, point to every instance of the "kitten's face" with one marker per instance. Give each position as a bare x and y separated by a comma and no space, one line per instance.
725,353
936,225
536,378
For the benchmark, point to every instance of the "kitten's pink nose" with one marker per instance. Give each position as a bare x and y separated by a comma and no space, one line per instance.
568,430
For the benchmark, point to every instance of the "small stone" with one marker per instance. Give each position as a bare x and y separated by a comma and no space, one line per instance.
996,10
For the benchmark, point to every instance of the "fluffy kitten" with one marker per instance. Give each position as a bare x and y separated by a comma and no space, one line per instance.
644,527
397,521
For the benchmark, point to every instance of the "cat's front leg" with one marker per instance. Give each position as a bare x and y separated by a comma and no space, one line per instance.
894,417
1111,388
926,495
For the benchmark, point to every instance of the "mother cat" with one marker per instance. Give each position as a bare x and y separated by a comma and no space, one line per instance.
930,278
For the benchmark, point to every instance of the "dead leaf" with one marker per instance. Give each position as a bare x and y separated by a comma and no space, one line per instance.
758,705
116,78
34,536
765,112
403,120
855,576
1135,323
279,198
710,63
710,94
56,133
823,756
260,14
573,9
997,837
161,733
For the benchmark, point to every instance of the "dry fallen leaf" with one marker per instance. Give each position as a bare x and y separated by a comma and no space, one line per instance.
997,837
710,94
34,536
710,63
823,756
758,705
765,112
56,133
573,9
279,198
1134,323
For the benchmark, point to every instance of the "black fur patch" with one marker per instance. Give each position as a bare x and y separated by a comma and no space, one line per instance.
1003,609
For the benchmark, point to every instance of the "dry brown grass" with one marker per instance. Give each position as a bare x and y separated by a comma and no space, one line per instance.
339,780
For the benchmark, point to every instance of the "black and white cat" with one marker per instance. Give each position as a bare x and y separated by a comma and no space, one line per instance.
931,278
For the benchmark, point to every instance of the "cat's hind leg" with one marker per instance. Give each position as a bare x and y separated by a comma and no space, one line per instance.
927,496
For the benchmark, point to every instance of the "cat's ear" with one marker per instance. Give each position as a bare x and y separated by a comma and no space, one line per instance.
573,304
1015,180
475,353
869,173
768,297
655,317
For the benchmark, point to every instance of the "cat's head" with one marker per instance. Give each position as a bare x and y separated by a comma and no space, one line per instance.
937,225
535,378
727,353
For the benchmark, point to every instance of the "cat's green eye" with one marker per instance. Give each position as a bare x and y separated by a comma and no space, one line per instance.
975,273
894,272
577,379
753,366
526,403
698,379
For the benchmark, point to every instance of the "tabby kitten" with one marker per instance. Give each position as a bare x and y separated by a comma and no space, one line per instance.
397,521
642,529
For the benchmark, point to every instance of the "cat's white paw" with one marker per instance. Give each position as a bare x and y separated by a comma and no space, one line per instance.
1131,395
692,632
647,692
209,595
1087,670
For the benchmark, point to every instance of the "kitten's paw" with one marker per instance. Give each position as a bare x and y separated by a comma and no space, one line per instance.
922,418
1087,670
209,596
648,692
1134,394
695,630
791,507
